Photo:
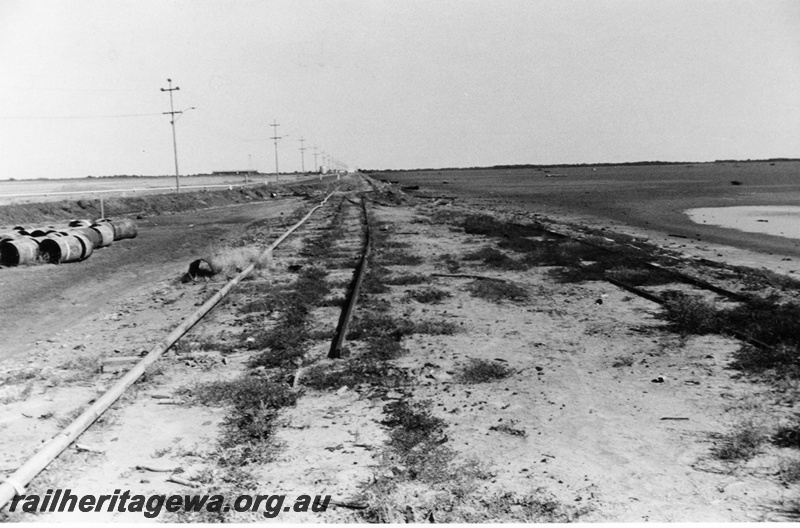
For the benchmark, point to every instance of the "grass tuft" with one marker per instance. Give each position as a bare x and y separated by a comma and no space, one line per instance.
256,403
743,443
350,373
490,226
495,259
787,436
751,359
381,325
497,291
789,472
484,371
232,261
690,314
428,295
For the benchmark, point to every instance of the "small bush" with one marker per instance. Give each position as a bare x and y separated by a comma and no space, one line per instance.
751,359
412,425
740,444
497,291
767,321
483,371
788,436
690,314
384,348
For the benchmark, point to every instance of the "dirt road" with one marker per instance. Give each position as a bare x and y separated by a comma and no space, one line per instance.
37,302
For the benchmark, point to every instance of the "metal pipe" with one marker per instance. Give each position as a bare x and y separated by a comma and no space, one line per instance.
15,483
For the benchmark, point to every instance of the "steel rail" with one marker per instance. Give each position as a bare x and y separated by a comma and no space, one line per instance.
15,483
700,283
352,296
660,300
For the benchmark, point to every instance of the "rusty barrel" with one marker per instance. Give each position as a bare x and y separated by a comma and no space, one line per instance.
15,252
62,249
106,231
124,228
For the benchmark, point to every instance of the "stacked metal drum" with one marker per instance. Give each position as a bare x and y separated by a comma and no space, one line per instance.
73,243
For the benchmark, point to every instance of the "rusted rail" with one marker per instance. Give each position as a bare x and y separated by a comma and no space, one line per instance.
352,294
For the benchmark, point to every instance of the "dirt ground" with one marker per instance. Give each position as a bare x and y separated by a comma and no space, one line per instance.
604,415
651,198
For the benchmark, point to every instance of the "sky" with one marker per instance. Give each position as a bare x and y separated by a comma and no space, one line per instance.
398,84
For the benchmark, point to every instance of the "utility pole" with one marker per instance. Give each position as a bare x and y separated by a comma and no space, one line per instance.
302,156
316,167
249,167
172,113
275,126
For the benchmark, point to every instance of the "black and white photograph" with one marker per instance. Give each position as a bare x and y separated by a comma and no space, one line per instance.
399,261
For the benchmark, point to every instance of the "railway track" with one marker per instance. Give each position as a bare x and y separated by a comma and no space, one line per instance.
625,266
332,240
285,328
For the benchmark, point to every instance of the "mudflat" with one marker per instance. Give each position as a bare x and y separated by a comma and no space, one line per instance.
652,197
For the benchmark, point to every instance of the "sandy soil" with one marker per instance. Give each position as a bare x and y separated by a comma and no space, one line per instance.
652,198
583,418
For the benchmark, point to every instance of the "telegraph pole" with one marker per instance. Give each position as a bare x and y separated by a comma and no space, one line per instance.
316,167
275,126
302,156
172,113
249,167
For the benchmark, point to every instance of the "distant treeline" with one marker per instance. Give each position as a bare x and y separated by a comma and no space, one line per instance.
579,165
